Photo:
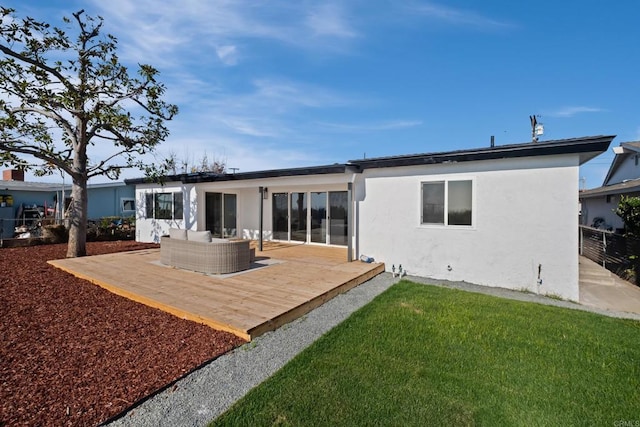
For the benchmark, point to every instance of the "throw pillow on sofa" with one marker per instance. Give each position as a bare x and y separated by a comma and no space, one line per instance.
199,236
178,234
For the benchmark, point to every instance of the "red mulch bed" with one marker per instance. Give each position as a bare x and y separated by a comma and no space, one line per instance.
74,354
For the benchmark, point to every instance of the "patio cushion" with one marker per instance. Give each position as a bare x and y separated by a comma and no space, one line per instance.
199,236
218,240
178,233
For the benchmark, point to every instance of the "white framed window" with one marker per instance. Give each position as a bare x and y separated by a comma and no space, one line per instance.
164,205
127,205
447,203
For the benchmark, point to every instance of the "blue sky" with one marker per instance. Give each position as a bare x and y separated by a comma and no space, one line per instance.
273,84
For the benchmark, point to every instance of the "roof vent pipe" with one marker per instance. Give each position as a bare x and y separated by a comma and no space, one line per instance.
493,141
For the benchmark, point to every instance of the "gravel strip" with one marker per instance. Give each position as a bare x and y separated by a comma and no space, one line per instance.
207,392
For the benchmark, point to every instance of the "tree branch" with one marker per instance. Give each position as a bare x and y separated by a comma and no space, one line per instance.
38,154
39,65
49,114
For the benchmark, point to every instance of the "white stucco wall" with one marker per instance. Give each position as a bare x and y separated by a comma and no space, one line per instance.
597,207
525,216
149,229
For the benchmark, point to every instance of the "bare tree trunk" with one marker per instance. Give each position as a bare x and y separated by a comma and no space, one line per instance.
77,246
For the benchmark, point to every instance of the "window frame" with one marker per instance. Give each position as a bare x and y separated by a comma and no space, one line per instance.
123,203
445,223
174,203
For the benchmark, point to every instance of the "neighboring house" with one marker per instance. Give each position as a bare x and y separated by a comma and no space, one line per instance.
22,202
111,199
623,178
500,216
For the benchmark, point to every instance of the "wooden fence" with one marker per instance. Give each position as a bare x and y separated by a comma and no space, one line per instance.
614,252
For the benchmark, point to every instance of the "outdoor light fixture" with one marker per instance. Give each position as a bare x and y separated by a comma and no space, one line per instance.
265,193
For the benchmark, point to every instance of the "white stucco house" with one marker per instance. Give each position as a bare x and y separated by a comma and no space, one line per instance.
502,216
623,178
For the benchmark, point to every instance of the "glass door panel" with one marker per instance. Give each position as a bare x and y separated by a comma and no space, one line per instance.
280,216
338,206
299,217
213,213
319,217
230,212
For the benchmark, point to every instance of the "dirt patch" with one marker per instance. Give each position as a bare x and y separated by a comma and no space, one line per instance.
74,354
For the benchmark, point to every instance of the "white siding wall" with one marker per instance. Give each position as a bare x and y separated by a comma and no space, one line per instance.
525,211
627,170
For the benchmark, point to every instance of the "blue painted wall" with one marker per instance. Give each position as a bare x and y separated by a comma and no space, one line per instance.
103,200
30,198
108,201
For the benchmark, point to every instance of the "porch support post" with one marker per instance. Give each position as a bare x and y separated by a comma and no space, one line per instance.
349,222
261,191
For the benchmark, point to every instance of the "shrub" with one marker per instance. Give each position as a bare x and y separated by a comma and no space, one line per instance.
629,210
55,233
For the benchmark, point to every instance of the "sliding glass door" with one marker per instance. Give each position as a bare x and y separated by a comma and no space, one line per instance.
229,209
338,208
221,214
213,213
280,216
299,217
319,217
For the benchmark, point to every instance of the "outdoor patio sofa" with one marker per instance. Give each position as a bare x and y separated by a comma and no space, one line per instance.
197,251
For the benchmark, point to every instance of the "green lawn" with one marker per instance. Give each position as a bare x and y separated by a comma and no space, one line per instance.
424,355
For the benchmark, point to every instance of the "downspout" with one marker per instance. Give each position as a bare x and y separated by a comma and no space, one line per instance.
350,218
261,191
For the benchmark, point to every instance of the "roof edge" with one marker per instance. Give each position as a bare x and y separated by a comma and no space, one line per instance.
193,178
626,149
592,144
588,147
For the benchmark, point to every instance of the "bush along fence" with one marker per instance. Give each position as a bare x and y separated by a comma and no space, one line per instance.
15,233
615,252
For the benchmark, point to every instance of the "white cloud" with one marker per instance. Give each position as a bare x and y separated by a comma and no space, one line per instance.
369,127
156,32
228,54
283,94
329,20
272,108
572,111
262,127
460,17
251,126
257,118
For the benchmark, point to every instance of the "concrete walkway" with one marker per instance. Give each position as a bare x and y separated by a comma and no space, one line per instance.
599,288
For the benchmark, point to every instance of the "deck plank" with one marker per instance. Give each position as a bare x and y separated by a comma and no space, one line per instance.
300,278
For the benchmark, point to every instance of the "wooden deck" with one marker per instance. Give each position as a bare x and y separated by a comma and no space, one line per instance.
287,282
